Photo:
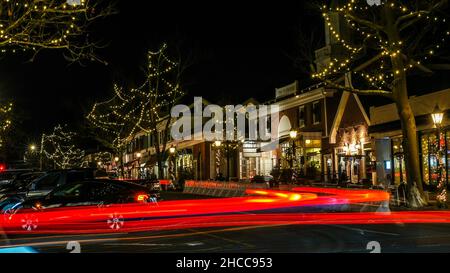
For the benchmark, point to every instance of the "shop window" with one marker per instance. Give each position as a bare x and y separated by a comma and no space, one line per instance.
399,161
316,109
447,144
301,116
425,155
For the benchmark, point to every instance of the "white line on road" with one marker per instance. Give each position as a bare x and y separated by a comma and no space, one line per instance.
361,231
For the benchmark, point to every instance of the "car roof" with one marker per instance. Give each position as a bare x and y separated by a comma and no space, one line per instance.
115,182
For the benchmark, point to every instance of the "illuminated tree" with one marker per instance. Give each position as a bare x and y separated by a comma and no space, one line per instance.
49,24
5,120
386,41
143,109
59,148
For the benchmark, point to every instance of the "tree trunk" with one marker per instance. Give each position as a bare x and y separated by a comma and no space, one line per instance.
415,194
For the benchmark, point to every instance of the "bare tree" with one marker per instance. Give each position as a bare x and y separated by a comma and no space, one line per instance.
387,42
50,24
59,148
5,120
146,108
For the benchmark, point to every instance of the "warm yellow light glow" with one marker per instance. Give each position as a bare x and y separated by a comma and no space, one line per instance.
437,116
172,150
293,134
217,143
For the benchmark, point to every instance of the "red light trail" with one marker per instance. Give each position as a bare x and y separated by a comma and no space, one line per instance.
261,207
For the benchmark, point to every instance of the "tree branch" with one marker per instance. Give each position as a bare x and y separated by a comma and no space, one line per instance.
368,92
364,22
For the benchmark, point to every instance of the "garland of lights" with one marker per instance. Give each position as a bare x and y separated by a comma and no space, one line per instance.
59,148
48,24
139,109
381,73
5,120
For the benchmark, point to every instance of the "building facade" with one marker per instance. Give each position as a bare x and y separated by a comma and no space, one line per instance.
386,131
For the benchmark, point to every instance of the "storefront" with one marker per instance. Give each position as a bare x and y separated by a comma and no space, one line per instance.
254,162
354,156
430,156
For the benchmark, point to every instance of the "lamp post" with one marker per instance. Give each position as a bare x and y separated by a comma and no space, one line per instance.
173,163
438,116
139,155
293,136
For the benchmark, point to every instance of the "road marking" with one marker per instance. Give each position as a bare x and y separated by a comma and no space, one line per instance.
361,230
136,244
62,236
226,239
195,244
149,237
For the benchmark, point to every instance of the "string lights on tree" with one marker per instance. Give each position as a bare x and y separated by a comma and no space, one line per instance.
387,41
60,149
145,108
50,24
5,120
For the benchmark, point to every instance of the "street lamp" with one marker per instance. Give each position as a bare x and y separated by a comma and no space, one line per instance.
116,159
438,116
217,143
32,148
293,136
172,150
139,155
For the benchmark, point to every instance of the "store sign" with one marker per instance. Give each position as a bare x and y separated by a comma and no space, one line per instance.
287,90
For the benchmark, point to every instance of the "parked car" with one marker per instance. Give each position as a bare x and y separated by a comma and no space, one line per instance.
99,192
7,176
151,184
43,185
20,182
263,179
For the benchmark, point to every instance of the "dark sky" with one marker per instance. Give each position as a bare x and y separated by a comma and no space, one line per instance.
239,52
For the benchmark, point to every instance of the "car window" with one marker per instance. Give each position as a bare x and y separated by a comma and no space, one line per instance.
47,182
101,190
69,191
75,177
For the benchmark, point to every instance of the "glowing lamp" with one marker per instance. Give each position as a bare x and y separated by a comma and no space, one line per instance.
172,150
217,143
437,116
293,134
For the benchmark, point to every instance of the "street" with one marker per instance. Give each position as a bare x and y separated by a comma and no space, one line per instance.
417,238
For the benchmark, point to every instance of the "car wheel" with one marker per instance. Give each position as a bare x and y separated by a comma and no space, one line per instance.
115,221
29,222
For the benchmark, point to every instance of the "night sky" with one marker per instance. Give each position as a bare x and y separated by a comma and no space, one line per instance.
240,51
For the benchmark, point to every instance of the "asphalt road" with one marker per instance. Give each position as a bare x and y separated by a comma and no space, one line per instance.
256,239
